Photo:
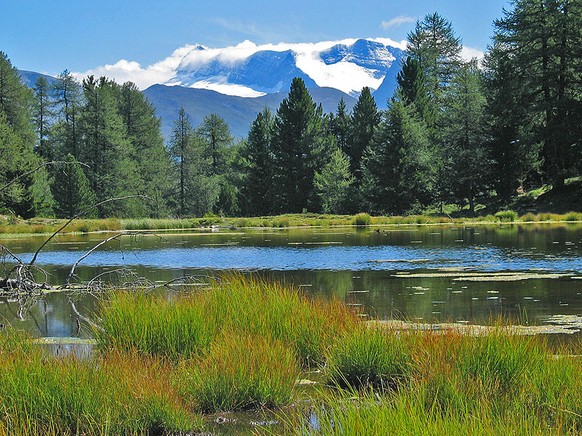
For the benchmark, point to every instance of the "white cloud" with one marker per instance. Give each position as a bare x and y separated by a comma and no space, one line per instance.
469,53
345,76
397,21
124,71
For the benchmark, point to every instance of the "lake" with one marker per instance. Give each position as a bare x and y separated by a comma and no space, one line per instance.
530,273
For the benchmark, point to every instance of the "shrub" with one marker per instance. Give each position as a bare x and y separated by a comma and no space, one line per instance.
506,216
573,216
529,217
362,220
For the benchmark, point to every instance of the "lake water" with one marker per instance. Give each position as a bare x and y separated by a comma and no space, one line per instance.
432,273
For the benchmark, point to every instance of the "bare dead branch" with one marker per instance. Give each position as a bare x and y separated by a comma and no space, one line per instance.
84,211
44,164
88,253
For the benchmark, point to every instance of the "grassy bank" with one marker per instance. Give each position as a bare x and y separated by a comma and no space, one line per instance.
12,225
165,362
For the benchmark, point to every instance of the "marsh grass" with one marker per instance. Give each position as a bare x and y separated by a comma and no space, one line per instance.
154,325
369,358
362,220
506,216
185,326
13,225
461,384
114,394
241,372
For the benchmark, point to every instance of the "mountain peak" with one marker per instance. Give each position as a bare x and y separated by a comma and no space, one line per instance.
249,70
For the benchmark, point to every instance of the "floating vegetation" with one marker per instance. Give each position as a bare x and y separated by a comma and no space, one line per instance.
485,276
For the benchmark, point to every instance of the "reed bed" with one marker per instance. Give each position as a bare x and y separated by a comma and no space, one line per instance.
241,372
113,394
458,384
369,358
13,225
243,343
185,326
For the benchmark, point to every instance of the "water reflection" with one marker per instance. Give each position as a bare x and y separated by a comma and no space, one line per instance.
386,273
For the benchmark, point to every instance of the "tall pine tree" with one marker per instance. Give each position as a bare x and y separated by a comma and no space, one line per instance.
298,149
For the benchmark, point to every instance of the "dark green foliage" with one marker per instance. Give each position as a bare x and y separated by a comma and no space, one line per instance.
15,101
340,126
257,156
412,88
42,116
466,163
180,146
542,40
147,149
514,160
297,149
105,148
22,190
216,146
71,190
68,99
333,183
398,170
434,45
364,120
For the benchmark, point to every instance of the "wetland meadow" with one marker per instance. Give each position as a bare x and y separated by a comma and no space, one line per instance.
415,329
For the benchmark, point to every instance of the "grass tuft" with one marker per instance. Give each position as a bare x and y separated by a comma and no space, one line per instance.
369,358
362,220
241,372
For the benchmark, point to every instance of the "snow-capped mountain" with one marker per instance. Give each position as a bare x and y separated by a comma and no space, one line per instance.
249,70
238,82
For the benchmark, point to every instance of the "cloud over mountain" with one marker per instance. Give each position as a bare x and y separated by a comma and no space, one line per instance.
221,69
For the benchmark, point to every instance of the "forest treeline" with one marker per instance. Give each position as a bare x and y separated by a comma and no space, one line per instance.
455,132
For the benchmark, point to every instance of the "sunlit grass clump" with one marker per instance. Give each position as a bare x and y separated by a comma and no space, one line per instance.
113,394
185,326
241,372
154,325
497,383
369,357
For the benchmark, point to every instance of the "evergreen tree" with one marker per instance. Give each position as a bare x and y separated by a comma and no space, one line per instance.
216,142
298,149
412,89
364,121
467,162
21,191
15,101
513,159
142,129
257,158
434,45
68,99
104,147
333,183
42,116
543,39
71,190
180,152
340,125
397,170
216,134
198,188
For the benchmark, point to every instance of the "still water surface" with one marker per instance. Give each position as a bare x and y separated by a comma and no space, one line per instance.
530,272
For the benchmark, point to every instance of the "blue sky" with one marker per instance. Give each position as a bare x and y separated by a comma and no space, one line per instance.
80,35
